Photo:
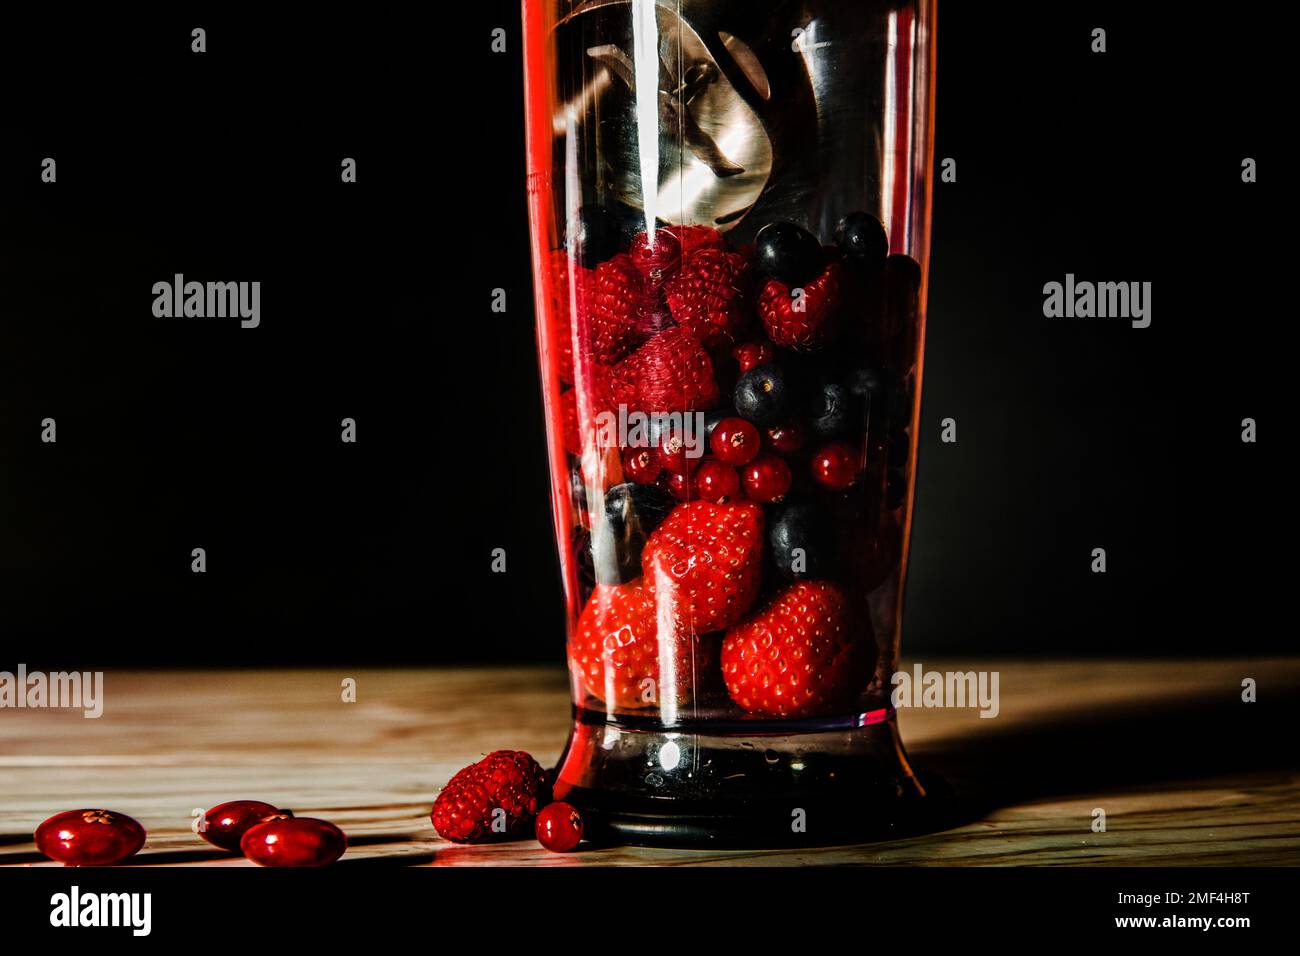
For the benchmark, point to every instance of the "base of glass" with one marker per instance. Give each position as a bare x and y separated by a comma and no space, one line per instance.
759,784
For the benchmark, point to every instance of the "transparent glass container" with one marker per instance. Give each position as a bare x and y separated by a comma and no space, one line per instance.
729,205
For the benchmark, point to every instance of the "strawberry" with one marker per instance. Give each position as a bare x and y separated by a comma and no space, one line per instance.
670,373
799,656
505,780
612,302
812,324
617,644
705,563
707,295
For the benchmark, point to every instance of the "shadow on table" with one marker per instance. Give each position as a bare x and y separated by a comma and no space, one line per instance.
1114,748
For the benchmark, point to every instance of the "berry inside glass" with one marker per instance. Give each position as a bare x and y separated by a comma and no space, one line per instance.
731,350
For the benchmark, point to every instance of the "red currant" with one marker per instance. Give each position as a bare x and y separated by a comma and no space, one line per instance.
294,841
837,465
683,485
672,452
767,479
559,827
225,824
735,441
717,481
641,465
751,354
786,437
89,837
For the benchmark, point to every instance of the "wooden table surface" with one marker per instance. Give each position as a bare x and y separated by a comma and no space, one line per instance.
1186,772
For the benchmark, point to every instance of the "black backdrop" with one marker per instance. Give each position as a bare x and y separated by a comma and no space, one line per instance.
181,434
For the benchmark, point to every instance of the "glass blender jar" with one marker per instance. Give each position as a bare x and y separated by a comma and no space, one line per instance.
729,202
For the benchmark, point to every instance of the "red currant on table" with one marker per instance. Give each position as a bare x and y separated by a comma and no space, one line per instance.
717,481
767,479
89,837
785,437
559,827
294,841
641,465
734,441
837,465
225,824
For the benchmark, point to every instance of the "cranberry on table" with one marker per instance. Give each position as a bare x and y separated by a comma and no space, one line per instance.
767,479
226,823
717,481
734,441
89,837
559,827
836,465
294,841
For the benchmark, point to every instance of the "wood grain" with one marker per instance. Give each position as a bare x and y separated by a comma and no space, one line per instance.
1186,772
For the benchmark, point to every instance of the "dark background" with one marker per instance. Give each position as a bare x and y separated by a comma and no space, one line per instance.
177,434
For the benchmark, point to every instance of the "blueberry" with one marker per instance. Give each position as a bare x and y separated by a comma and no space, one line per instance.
612,560
870,381
863,238
577,489
785,251
597,234
632,509
801,539
581,542
631,512
762,395
876,389
832,410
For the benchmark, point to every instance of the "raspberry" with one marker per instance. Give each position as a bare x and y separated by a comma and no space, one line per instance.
569,419
567,277
698,237
707,296
670,373
505,780
813,323
658,262
613,298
